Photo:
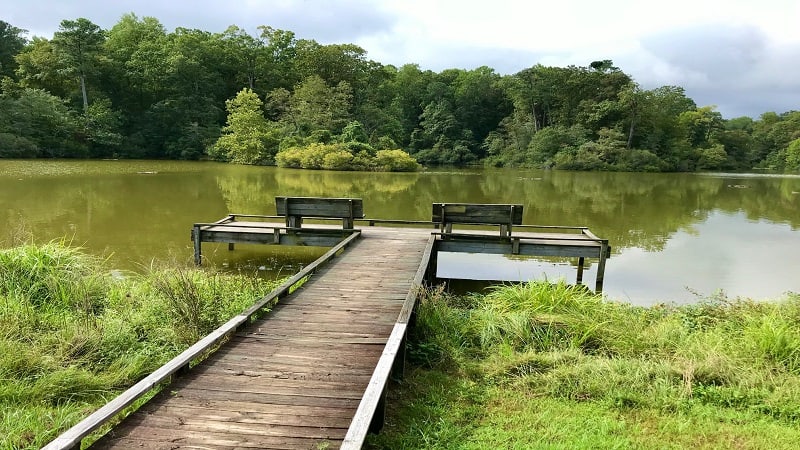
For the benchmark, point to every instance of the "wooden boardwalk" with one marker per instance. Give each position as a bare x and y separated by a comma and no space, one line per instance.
313,372
294,378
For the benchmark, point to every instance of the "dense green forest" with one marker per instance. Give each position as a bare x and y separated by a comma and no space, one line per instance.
138,91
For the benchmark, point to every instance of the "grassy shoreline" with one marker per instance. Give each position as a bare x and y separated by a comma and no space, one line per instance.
535,365
72,336
552,366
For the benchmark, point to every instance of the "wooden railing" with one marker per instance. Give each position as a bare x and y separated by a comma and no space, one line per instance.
73,436
371,410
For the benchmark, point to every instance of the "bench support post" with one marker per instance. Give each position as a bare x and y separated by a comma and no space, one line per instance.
294,221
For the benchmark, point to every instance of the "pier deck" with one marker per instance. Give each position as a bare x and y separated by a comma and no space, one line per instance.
294,378
313,372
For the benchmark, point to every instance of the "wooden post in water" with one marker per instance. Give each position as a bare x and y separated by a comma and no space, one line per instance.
579,278
601,266
196,239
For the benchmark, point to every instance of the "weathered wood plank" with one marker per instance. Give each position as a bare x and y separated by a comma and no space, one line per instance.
247,414
200,425
250,395
294,386
324,206
285,412
476,213
574,249
220,441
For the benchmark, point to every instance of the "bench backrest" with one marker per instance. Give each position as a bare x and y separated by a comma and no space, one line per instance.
504,215
295,208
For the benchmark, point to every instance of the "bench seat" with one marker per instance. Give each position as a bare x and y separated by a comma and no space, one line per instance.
296,208
504,215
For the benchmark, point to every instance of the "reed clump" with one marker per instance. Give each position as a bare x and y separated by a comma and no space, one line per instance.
72,336
521,358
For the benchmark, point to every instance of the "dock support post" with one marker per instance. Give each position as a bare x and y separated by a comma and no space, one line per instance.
601,267
230,246
196,239
579,279
430,273
379,418
399,365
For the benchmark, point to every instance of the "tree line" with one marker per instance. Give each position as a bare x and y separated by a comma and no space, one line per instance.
138,91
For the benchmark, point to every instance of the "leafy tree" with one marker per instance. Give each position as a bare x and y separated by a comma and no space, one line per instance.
354,132
480,103
547,143
658,128
41,125
738,146
246,53
632,99
773,133
101,126
440,138
793,155
317,106
135,65
77,44
280,52
701,126
408,90
11,43
712,158
40,68
247,138
336,64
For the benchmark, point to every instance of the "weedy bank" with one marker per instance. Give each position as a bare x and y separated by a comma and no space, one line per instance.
544,365
72,336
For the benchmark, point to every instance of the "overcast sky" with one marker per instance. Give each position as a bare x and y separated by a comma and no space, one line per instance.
741,55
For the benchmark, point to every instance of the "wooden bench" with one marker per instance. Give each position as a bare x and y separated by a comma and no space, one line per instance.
295,208
505,215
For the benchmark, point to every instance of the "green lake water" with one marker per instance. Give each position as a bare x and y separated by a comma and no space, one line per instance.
674,237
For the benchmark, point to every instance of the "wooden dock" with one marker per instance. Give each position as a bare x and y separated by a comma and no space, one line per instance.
313,372
294,378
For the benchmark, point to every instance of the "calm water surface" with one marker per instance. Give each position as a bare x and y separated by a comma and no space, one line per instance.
675,237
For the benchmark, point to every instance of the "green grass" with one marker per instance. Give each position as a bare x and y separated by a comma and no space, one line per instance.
72,336
553,366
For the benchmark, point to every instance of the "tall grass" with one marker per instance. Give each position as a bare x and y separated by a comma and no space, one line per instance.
539,350
72,336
